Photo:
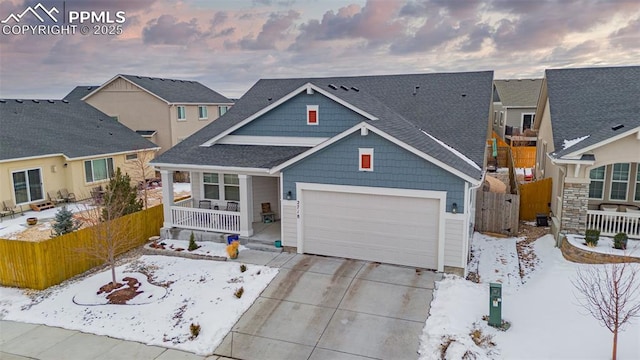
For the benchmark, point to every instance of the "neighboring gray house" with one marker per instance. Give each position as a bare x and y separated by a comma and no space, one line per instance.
589,144
49,145
514,106
165,111
379,168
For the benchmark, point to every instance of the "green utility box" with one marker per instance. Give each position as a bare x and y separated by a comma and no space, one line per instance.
495,305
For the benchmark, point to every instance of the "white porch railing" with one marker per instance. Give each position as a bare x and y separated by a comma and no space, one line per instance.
612,222
184,216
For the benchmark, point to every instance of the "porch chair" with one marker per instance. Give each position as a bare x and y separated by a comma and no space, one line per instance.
232,206
7,211
204,204
97,195
55,198
66,195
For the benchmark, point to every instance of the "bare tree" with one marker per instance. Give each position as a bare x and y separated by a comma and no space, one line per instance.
141,171
611,294
112,230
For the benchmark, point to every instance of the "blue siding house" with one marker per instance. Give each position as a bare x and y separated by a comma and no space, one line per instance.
378,168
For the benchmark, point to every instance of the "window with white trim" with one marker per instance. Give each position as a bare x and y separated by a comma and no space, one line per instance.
182,113
203,112
527,121
637,197
222,109
312,115
365,162
98,169
619,182
229,183
596,187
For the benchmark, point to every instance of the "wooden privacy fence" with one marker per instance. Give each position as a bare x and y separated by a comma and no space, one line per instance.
524,156
497,213
38,265
535,198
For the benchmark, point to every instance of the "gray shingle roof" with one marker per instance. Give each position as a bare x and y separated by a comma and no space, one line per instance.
178,91
80,91
591,101
73,128
518,92
452,107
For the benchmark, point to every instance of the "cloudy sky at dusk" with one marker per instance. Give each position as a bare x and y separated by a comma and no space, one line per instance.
228,45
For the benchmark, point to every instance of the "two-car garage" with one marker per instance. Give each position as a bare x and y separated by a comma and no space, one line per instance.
395,226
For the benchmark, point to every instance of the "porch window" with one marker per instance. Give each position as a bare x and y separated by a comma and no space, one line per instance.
312,114
98,169
27,185
231,187
211,186
637,197
596,187
619,182
212,183
222,109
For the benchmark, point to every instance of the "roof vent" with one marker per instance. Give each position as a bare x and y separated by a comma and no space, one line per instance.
269,99
89,87
173,80
344,88
50,101
3,101
139,77
35,101
464,95
333,87
161,79
355,89
617,127
415,90
19,101
65,101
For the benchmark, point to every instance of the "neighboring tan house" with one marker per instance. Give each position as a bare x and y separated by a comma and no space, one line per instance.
514,106
589,144
49,145
165,111
378,168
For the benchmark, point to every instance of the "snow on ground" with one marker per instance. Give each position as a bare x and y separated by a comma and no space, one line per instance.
546,322
206,248
194,291
10,226
605,246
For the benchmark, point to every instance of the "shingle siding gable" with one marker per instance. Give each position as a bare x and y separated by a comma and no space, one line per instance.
289,119
393,166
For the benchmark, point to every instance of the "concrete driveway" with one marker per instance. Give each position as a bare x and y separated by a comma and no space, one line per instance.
330,308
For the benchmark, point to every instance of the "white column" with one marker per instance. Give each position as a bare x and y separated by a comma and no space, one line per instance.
246,205
167,196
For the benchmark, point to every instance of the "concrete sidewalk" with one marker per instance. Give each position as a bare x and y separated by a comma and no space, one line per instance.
316,308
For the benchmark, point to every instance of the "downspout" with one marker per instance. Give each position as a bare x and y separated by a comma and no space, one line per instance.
468,233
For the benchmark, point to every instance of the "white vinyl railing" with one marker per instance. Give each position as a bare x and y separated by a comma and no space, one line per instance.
188,202
612,222
205,219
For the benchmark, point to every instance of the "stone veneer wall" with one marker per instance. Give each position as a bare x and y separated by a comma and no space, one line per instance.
575,198
577,255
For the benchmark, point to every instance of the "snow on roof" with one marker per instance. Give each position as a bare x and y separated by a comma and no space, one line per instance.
569,143
454,151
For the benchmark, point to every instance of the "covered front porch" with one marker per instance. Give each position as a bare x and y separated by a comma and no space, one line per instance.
224,202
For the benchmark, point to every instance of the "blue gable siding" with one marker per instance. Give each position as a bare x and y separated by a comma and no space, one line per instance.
393,166
290,119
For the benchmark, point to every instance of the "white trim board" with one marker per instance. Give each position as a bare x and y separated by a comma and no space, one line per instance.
306,88
271,140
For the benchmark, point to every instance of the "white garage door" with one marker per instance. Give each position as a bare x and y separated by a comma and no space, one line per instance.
385,228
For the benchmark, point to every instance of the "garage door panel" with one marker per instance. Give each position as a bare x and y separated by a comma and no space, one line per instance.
392,229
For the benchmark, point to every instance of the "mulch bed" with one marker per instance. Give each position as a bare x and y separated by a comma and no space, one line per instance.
122,294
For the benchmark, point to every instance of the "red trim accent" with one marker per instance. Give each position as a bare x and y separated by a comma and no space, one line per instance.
313,117
365,161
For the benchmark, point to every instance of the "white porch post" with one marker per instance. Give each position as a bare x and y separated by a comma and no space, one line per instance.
246,205
167,196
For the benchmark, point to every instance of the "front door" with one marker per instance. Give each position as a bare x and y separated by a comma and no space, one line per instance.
27,186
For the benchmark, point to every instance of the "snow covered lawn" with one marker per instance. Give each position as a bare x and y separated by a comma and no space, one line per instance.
546,322
181,292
